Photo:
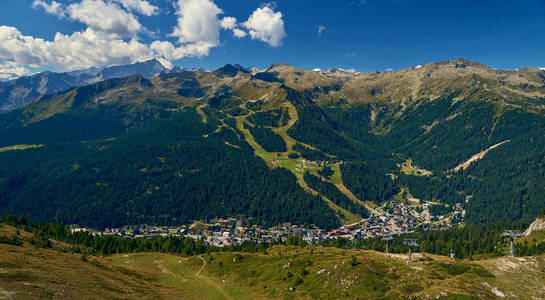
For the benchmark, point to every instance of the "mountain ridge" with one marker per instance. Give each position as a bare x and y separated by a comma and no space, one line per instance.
18,92
526,82
185,130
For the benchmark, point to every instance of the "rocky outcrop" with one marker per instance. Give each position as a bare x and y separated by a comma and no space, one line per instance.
537,225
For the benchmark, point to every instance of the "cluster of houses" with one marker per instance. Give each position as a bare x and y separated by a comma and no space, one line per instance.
395,218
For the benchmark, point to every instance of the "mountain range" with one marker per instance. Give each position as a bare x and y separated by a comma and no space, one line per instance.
277,145
18,92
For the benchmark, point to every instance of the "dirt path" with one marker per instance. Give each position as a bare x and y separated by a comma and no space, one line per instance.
203,265
210,281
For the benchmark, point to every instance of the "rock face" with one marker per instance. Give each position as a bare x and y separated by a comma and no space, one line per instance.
537,225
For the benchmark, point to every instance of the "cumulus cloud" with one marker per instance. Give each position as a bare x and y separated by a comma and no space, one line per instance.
321,29
197,30
140,6
54,8
171,52
197,22
112,33
100,15
105,16
239,33
266,25
230,23
9,71
78,50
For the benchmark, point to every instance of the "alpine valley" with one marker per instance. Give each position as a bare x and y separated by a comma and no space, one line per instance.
211,184
322,148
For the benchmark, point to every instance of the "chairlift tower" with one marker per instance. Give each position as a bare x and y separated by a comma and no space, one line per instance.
511,234
411,243
387,238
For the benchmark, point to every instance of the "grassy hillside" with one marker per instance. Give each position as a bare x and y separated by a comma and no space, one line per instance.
33,270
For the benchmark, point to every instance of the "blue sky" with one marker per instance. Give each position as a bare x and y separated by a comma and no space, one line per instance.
364,35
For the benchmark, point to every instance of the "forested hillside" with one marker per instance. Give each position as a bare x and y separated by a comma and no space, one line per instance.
201,145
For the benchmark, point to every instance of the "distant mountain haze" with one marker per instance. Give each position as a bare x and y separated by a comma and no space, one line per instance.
18,92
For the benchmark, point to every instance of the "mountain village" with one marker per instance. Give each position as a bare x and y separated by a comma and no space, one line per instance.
397,218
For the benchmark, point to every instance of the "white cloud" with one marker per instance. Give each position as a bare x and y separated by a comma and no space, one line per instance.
197,22
105,16
10,71
140,6
54,8
418,67
67,52
321,29
266,25
229,23
239,33
171,52
111,35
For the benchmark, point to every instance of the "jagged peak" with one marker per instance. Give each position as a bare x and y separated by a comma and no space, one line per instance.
341,70
230,70
457,63
275,67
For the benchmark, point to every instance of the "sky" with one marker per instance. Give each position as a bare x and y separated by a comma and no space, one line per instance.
363,35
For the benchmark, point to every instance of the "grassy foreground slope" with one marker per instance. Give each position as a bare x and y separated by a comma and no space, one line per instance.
30,271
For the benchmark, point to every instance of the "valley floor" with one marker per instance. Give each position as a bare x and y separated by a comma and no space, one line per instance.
284,272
